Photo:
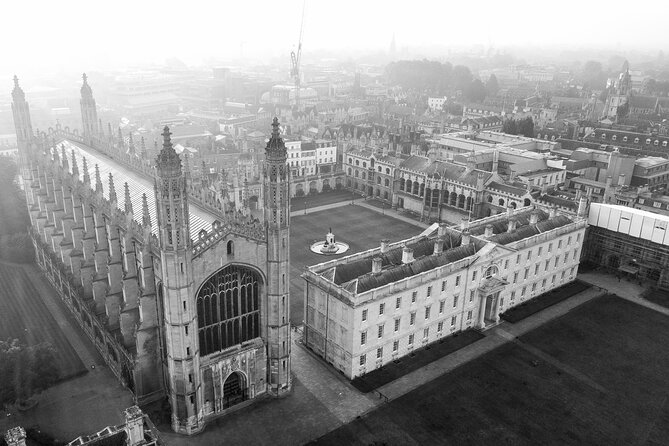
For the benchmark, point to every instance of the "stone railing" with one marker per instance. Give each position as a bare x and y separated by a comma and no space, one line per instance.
252,229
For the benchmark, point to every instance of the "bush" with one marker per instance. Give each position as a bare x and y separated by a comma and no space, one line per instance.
25,370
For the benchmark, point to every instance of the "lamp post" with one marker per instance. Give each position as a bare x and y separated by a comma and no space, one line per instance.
305,207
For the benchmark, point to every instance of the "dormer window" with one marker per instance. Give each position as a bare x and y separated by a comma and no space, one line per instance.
603,135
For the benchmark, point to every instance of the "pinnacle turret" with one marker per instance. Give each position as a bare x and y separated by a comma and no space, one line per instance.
168,161
75,167
63,155
86,91
17,93
98,181
276,148
87,176
128,202
112,189
146,218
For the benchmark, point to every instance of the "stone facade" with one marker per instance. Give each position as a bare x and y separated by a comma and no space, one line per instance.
367,309
183,300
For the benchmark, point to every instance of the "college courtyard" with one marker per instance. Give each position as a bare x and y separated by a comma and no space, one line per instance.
588,369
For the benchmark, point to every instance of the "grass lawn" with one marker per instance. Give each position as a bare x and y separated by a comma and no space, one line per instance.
312,201
419,358
24,316
659,297
605,384
360,227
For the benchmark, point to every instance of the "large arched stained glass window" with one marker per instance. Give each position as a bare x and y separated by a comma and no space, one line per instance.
227,309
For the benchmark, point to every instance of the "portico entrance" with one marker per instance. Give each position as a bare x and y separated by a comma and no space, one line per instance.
489,294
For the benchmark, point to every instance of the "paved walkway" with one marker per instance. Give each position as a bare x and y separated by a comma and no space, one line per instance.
622,288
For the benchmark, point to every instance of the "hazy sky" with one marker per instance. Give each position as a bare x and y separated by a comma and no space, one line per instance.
82,35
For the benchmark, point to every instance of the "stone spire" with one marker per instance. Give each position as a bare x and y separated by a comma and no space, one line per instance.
75,167
128,202
66,165
168,161
17,92
120,137
146,218
131,144
276,148
98,181
112,189
56,157
142,148
109,130
87,176
86,91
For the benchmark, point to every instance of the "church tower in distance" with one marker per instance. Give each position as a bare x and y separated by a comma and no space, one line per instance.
276,181
89,113
181,355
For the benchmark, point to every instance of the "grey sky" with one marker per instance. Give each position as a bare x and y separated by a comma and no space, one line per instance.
78,35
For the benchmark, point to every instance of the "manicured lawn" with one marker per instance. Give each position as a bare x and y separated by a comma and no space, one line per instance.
605,384
361,228
659,297
539,303
312,201
24,316
419,358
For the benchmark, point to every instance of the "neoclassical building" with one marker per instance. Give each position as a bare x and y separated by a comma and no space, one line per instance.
181,299
369,308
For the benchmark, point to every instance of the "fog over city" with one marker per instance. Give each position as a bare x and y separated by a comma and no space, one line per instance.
334,223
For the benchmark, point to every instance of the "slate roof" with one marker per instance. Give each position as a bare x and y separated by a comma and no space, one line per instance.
523,227
507,188
138,185
357,276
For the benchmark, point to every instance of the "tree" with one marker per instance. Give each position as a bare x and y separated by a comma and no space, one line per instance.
461,77
525,127
25,370
509,127
593,77
623,110
475,91
491,86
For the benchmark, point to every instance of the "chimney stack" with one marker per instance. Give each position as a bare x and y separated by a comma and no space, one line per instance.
512,225
552,213
534,218
621,179
465,238
582,206
442,230
509,211
384,245
407,255
376,265
464,223
488,231
438,246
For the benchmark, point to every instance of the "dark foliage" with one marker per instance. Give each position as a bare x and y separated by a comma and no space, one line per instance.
25,370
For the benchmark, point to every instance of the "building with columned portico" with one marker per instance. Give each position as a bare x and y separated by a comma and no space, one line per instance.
367,309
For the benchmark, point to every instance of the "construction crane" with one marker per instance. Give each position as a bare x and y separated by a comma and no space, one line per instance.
295,60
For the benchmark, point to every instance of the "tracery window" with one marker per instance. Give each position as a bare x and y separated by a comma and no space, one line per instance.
227,309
